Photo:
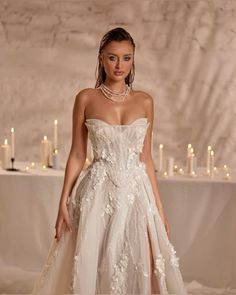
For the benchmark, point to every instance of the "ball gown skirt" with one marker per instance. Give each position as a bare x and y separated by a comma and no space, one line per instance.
118,243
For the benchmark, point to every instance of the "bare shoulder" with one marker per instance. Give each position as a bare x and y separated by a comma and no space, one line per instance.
145,97
84,95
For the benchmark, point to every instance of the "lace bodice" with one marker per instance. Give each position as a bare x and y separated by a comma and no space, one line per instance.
117,145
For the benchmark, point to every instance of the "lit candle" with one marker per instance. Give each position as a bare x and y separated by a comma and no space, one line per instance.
175,168
227,176
190,158
208,157
225,167
50,152
211,163
5,155
165,175
170,166
193,174
12,143
189,152
191,163
194,162
181,171
55,135
55,160
44,151
189,149
160,168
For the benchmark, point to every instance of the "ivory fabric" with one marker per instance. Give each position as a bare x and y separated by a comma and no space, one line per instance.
113,216
201,213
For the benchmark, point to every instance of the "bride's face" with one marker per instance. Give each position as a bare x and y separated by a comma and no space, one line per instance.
117,59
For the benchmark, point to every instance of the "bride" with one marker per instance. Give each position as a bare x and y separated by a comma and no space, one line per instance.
112,236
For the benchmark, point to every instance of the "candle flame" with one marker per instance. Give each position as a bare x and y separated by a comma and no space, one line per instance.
161,146
45,137
209,147
55,122
5,141
212,153
12,129
189,145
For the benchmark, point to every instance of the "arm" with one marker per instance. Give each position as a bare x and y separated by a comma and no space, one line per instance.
146,157
76,159
77,155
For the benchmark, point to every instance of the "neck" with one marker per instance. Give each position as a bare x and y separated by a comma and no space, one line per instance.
118,86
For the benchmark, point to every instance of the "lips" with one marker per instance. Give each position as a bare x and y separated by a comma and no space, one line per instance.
119,73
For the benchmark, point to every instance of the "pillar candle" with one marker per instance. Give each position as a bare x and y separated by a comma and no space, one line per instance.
212,163
170,166
189,159
208,157
5,149
194,163
191,163
55,143
12,143
160,153
56,160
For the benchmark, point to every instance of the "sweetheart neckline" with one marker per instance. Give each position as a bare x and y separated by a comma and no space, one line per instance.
118,125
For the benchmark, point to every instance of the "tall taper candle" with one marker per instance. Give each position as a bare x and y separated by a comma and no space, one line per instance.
188,155
44,151
12,143
55,143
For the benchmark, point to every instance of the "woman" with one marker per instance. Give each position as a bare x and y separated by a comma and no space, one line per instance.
112,235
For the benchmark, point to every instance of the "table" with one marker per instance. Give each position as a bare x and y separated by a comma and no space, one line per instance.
201,213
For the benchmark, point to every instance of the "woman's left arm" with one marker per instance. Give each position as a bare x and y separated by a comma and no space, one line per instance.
146,157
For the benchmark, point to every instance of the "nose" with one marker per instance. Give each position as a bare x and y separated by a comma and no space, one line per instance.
118,63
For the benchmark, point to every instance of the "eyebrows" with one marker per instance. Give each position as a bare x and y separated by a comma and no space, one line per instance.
127,54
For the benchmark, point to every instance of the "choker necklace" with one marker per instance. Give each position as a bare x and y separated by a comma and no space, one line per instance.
114,95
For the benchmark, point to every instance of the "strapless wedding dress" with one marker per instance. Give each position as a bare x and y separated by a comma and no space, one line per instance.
116,225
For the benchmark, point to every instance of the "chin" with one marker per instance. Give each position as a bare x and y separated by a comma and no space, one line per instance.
118,78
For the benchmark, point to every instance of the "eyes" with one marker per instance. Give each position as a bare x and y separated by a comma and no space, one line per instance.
114,58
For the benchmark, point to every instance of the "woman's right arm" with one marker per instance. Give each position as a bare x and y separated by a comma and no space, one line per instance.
76,159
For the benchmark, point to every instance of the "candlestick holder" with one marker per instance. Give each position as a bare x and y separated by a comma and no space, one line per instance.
12,166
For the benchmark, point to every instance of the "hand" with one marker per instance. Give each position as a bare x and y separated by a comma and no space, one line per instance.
62,217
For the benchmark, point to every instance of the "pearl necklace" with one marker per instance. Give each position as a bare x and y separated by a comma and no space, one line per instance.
114,95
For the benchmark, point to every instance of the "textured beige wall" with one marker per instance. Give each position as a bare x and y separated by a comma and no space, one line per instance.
185,58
